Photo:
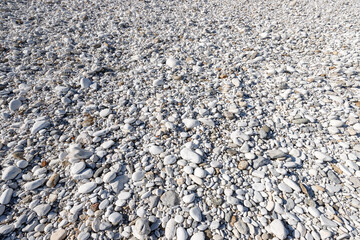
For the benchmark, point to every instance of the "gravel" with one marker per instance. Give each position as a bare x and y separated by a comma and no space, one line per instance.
180,120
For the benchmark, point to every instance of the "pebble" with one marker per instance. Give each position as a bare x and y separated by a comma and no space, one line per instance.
5,229
107,144
336,123
322,156
170,159
85,83
198,236
87,187
77,167
6,195
276,153
141,229
155,150
10,173
181,234
189,155
241,227
172,62
170,198
278,229
196,214
137,176
105,112
59,234
327,222
170,229
42,209
292,184
14,105
76,152
39,125
190,123
189,198
34,184
115,218
124,195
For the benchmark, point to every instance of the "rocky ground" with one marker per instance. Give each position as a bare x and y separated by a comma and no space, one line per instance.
217,119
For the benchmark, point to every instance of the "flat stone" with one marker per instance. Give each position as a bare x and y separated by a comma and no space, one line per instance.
105,112
245,148
170,199
241,227
39,125
333,177
276,153
189,198
85,82
115,218
190,123
108,177
107,144
325,234
336,123
292,184
77,152
258,187
10,173
87,187
181,233
259,162
355,203
250,156
170,159
14,105
333,130
124,195
5,229
207,122
199,172
6,196
141,229
278,229
42,209
170,229
243,165
172,62
189,155
34,184
284,187
196,214
198,236
59,234
300,121
322,156
83,236
137,176
155,150
327,222
314,212
77,167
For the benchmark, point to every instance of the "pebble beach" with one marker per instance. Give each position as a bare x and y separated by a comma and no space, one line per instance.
161,119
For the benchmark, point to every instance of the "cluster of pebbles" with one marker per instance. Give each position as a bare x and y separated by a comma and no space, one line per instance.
209,119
